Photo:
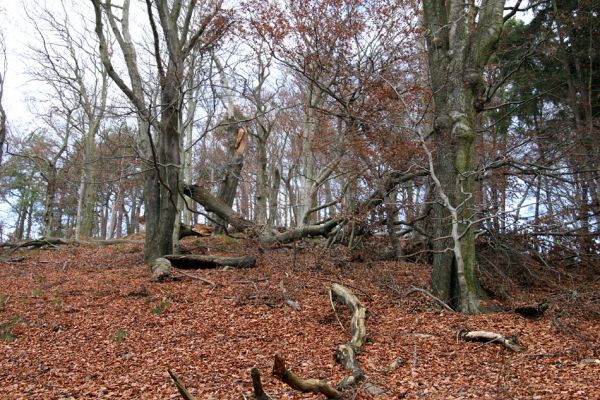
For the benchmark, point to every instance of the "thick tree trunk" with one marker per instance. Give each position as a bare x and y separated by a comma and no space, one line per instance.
162,184
459,45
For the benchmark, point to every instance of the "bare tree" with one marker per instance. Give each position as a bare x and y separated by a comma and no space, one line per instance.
180,28
3,68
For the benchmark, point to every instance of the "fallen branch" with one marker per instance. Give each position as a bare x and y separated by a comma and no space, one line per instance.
181,387
346,354
259,393
238,223
200,230
509,342
293,304
303,385
195,261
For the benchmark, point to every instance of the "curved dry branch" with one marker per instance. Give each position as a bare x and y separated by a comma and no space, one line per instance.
346,354
303,385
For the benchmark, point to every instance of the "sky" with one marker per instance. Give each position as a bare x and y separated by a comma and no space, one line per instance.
17,37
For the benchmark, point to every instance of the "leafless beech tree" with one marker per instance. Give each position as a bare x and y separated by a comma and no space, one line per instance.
177,30
3,68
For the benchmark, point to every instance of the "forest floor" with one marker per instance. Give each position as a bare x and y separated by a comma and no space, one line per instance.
87,322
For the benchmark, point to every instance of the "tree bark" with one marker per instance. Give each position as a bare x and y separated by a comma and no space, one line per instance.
459,45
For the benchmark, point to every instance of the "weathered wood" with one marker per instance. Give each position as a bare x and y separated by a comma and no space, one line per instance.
181,387
346,353
200,230
315,386
161,269
196,261
259,393
240,224
509,342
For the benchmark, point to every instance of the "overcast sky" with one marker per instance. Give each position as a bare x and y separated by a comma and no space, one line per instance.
17,34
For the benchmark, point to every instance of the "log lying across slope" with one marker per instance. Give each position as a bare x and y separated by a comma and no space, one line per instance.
53,242
195,261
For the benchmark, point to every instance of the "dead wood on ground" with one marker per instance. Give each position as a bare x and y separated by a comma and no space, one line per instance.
259,392
238,223
509,342
195,261
303,385
346,354
54,242
533,311
181,387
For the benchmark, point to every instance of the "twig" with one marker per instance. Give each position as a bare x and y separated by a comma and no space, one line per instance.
415,356
198,278
426,293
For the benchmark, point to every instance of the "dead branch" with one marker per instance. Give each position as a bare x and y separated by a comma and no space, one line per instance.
315,386
181,387
259,393
334,310
293,304
198,278
509,342
240,224
346,353
426,293
200,230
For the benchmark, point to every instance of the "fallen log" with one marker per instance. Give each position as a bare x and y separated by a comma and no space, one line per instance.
509,342
200,230
264,234
315,386
533,311
53,242
196,261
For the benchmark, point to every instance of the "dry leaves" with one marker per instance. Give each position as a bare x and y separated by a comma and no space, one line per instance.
99,328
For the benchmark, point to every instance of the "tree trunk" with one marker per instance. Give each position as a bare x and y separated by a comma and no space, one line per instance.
459,45
49,217
262,187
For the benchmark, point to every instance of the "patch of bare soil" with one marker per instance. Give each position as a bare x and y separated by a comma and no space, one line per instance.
83,322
